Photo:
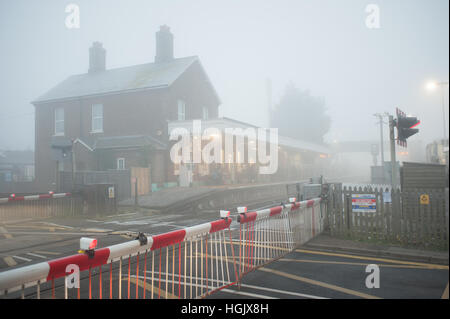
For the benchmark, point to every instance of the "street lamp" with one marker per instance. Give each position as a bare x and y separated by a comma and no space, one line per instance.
431,86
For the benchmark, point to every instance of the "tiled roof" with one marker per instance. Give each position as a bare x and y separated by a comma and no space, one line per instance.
150,75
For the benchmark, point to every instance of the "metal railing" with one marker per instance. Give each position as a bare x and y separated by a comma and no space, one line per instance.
193,262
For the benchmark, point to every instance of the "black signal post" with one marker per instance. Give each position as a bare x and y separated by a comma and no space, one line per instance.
406,127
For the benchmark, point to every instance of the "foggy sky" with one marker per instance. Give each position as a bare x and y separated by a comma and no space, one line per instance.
323,46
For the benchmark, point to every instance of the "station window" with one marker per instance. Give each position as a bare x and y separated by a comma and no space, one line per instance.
181,110
120,163
97,118
59,121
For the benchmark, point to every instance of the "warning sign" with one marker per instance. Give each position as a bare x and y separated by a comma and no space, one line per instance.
424,199
364,203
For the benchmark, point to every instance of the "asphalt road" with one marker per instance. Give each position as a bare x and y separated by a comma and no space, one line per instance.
315,274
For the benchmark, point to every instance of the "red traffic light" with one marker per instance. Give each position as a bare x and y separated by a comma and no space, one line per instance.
418,122
405,127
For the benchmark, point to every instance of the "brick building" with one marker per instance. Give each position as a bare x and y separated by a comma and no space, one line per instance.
117,118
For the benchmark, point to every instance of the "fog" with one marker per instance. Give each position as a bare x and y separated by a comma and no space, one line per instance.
321,46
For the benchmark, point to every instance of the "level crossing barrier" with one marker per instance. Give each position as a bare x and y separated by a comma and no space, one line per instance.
193,262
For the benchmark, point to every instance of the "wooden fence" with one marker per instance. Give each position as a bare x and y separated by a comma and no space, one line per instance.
407,218
120,178
42,208
142,176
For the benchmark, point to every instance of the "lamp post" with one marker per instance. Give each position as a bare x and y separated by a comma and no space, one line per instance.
431,86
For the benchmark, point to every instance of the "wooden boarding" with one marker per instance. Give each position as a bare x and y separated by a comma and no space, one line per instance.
142,175
410,218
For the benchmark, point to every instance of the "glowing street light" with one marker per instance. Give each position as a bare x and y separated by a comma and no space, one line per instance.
431,86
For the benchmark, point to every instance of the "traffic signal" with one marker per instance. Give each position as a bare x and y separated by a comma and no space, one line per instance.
405,127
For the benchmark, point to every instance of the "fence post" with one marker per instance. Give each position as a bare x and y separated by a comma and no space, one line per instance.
396,214
347,215
446,217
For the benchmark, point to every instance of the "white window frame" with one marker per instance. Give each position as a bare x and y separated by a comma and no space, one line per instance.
205,113
59,121
29,172
120,159
96,118
181,110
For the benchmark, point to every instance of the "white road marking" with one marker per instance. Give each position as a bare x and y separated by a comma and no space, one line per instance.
283,292
248,294
22,258
47,252
56,225
54,233
128,223
96,230
148,221
242,285
36,255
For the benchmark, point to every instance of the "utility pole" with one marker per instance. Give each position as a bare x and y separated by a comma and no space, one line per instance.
380,117
393,159
381,142
381,122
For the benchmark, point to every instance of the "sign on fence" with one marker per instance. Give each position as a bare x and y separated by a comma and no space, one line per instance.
364,203
424,199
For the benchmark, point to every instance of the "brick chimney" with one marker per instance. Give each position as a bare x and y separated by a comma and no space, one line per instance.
97,57
164,45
